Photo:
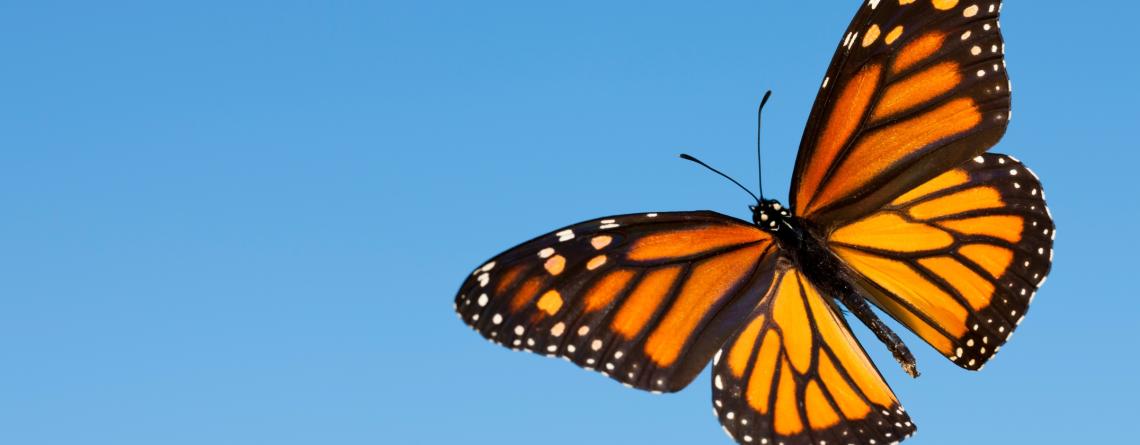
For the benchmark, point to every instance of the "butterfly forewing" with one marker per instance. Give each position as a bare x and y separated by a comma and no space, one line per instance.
915,88
795,374
959,258
645,299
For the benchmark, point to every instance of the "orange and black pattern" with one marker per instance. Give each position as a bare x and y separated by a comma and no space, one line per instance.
894,201
959,258
645,299
796,375
913,83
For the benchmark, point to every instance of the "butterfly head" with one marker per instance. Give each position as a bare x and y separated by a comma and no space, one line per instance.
770,215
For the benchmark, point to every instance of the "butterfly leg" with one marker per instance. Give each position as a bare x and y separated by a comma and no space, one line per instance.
857,304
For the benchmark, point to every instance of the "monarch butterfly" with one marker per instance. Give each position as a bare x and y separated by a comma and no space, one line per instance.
893,201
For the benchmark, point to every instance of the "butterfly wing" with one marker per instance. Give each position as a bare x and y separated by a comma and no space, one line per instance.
796,375
916,88
959,258
645,299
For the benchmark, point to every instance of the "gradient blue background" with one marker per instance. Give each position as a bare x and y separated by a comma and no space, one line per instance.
243,222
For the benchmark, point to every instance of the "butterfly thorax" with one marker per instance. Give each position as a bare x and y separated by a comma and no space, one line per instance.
797,241
789,230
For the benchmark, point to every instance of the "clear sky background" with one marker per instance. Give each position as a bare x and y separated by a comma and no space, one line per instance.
244,222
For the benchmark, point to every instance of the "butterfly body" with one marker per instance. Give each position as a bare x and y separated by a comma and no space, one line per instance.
897,205
805,249
802,247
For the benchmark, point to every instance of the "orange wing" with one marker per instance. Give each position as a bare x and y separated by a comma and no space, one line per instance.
645,299
959,258
915,89
796,375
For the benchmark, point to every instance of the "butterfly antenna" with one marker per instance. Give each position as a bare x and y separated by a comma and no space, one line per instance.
759,161
690,158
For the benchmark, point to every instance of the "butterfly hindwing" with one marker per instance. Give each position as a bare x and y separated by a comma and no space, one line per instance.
795,375
645,299
915,88
958,259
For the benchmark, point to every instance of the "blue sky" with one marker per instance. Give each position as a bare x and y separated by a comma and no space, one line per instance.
244,222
